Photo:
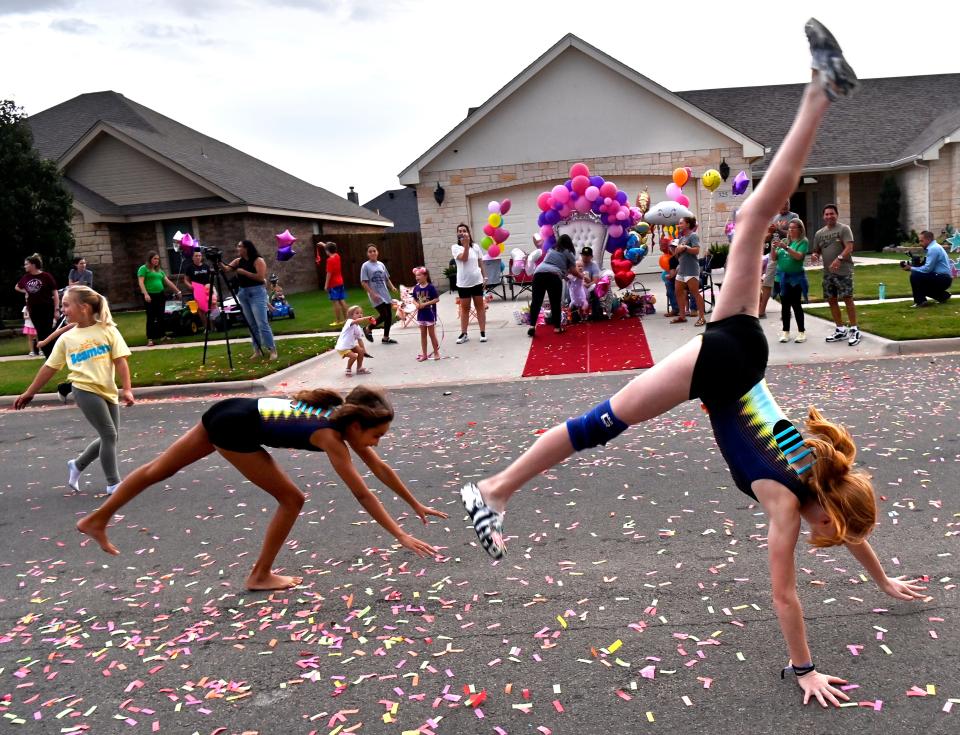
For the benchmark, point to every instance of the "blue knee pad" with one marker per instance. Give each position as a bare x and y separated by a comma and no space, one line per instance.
597,426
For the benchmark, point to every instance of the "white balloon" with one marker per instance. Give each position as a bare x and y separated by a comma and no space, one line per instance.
666,213
518,265
533,259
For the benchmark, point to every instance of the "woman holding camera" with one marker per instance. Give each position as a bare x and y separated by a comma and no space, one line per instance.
251,270
153,283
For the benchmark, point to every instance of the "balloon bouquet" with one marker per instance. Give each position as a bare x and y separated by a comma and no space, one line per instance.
277,306
494,235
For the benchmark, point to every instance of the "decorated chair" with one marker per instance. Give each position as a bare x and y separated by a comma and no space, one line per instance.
584,229
494,283
518,284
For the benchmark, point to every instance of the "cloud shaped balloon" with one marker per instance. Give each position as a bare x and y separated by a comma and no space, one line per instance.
666,213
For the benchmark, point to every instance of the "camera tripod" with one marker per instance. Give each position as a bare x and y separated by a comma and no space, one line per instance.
217,280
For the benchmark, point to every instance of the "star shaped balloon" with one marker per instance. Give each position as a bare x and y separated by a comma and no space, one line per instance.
954,242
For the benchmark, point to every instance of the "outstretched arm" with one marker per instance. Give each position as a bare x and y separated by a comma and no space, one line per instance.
386,474
902,589
44,374
340,459
784,512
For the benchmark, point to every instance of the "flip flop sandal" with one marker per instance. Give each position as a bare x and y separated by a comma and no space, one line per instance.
348,373
363,371
421,358
486,522
678,320
699,323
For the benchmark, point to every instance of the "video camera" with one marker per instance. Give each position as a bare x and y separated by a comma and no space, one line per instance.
914,261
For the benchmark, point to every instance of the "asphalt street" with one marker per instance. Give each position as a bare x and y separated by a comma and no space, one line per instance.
635,596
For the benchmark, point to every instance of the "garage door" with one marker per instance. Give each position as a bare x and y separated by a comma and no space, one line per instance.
521,221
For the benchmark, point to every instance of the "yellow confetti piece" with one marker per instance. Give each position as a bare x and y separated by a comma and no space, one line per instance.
563,623
613,647
650,717
740,656
931,689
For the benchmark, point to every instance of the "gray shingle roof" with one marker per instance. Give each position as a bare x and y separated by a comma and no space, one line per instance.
889,118
400,205
250,180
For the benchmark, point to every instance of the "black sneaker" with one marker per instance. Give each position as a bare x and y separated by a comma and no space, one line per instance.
486,522
388,341
836,76
63,390
368,334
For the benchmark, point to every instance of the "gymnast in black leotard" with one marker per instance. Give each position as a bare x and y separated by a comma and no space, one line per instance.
793,477
239,428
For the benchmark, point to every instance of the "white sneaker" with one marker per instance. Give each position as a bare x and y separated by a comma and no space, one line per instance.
853,336
111,489
483,337
801,338
462,338
73,479
839,334
784,336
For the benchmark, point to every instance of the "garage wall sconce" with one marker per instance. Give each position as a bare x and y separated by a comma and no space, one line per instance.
723,169
438,194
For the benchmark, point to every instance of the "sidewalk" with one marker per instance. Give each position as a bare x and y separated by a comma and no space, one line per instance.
502,358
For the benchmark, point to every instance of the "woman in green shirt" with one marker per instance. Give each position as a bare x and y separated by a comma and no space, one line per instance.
152,281
790,269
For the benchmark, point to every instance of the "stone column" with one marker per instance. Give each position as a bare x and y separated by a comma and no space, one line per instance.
841,195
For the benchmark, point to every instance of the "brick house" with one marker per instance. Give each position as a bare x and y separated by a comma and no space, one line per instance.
576,103
137,177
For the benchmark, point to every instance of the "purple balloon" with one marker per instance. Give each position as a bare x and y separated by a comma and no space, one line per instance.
596,181
740,183
569,184
621,197
551,217
542,219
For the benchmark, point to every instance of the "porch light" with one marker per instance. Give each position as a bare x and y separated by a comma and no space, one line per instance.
438,194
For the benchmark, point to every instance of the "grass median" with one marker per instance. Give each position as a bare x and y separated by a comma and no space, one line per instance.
181,365
314,313
898,321
866,282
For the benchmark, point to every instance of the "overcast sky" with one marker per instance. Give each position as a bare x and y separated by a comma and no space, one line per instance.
349,93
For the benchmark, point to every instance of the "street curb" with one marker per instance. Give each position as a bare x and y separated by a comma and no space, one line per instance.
921,346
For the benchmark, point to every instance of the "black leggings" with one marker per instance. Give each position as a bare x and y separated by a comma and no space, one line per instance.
791,297
42,318
552,285
155,309
385,317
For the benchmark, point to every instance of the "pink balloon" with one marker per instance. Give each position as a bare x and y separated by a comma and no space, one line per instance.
579,169
591,193
565,211
494,251
608,201
546,231
560,193
622,214
683,199
187,241
609,189
285,238
488,229
582,205
616,230
673,191
543,201
493,207
580,184
505,206
500,235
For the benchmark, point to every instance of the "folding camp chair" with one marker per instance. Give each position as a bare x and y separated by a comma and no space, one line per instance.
494,282
406,308
518,284
707,285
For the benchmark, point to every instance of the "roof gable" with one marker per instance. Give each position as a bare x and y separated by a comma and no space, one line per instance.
572,80
244,178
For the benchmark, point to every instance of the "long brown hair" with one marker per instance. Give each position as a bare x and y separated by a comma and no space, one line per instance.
844,493
367,406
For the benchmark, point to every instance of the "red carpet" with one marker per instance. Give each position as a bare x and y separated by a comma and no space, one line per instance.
594,347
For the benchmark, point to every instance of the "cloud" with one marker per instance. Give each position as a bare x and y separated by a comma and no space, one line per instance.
9,7
73,25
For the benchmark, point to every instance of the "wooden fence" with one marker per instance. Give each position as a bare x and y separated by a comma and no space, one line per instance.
401,252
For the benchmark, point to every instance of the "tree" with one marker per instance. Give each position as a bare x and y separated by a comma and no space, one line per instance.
35,209
889,230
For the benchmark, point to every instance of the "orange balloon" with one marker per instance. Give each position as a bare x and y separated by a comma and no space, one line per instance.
680,176
664,262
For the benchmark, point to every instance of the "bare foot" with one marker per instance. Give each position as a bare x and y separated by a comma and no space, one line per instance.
272,582
98,532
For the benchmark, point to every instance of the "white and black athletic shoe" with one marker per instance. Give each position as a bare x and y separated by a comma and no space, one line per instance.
839,335
836,75
853,336
486,521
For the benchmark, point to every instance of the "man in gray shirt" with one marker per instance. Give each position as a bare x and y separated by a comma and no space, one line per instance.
834,243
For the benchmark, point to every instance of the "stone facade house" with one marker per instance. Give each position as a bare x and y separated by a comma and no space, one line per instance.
576,103
137,177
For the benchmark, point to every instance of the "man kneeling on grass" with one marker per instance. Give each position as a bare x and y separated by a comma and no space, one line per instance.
932,279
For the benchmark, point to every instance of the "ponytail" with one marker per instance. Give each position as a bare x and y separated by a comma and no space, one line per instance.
845,494
96,301
367,406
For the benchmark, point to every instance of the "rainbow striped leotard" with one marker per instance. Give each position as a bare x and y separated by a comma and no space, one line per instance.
759,442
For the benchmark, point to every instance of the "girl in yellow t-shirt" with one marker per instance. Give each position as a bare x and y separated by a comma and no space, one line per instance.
96,354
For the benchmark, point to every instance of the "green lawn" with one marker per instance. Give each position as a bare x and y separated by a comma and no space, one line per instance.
886,256
900,322
181,365
313,309
866,282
